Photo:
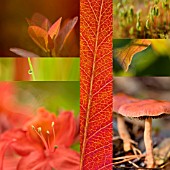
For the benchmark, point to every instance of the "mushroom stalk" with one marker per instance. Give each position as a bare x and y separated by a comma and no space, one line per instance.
124,134
148,143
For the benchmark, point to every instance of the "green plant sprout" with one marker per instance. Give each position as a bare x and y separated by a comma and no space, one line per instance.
149,19
31,70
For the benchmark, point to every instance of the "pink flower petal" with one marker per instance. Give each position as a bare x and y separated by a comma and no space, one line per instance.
65,128
34,161
65,159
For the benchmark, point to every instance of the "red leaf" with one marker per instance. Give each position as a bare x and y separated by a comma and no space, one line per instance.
40,37
55,28
39,20
63,35
96,84
23,53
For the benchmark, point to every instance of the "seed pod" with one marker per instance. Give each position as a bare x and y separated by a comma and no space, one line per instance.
138,14
156,2
118,6
125,14
165,4
131,31
151,14
131,11
156,11
147,24
153,11
121,13
138,26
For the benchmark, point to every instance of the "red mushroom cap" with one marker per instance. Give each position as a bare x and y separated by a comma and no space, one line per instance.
120,99
148,108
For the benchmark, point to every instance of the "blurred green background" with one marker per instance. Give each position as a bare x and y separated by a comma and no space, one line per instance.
54,96
146,63
46,69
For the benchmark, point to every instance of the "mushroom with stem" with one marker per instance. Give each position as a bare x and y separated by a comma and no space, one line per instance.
146,109
118,100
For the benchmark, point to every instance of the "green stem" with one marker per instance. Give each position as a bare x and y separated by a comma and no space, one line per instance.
31,69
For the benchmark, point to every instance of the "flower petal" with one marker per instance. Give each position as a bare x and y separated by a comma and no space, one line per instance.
65,159
4,145
34,161
65,128
21,144
10,162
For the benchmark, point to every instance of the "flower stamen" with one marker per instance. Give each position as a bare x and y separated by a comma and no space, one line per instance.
48,139
55,147
45,141
39,133
52,125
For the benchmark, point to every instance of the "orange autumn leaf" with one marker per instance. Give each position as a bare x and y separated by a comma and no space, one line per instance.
126,53
63,35
96,84
55,28
39,20
40,37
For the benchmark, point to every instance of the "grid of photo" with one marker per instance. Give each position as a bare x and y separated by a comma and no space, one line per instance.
84,84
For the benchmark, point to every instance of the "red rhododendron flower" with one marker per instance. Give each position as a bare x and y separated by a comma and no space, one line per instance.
43,143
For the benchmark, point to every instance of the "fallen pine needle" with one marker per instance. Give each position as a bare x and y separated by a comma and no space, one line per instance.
136,166
127,158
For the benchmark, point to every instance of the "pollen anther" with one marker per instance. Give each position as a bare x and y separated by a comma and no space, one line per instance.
39,129
33,127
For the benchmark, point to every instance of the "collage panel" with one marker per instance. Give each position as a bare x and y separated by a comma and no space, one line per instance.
39,69
141,19
141,122
96,84
39,125
39,28
141,57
